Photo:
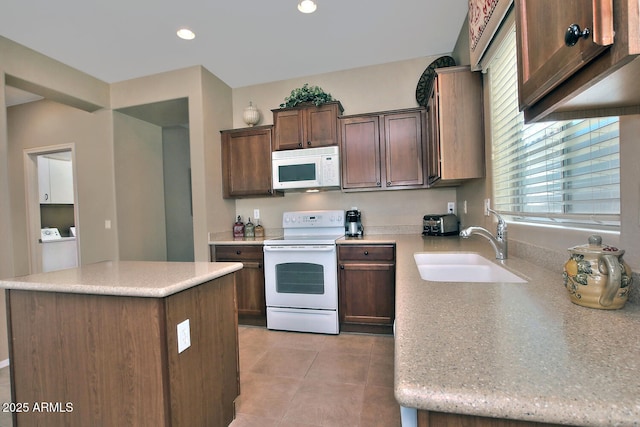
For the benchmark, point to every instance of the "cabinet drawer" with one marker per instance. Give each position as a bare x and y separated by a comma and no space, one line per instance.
238,252
366,253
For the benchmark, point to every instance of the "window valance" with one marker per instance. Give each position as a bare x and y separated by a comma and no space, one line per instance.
485,17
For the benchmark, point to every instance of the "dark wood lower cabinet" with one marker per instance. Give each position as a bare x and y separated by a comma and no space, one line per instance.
249,281
366,281
100,360
442,419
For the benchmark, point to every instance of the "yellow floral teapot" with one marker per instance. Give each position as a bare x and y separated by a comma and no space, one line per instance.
596,276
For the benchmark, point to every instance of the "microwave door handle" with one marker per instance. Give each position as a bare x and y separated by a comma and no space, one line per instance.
297,248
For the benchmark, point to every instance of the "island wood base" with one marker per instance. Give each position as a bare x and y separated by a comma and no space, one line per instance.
113,360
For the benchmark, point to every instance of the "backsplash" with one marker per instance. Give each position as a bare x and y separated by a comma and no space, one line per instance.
383,212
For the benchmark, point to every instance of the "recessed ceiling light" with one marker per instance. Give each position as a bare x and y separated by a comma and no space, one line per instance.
307,6
186,34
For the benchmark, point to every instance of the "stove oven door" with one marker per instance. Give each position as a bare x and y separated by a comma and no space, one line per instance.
301,276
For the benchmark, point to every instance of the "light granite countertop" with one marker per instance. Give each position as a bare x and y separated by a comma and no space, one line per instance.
507,350
124,278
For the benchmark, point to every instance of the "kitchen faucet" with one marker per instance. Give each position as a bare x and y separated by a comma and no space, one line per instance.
499,242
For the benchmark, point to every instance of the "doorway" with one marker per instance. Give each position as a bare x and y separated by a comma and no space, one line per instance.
52,210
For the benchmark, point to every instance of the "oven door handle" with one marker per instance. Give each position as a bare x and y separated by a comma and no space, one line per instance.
298,248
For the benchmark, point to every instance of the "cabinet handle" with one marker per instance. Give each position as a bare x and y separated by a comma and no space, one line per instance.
259,265
378,184
309,143
341,266
238,252
300,144
388,183
366,252
573,34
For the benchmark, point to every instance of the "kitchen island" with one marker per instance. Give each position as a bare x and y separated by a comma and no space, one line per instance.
99,345
510,351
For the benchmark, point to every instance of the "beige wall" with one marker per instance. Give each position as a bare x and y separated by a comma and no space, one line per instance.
138,169
209,103
47,123
360,90
217,111
25,66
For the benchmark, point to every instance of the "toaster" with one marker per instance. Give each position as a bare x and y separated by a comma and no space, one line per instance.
440,225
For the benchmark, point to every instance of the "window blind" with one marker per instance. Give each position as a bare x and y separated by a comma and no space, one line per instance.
553,172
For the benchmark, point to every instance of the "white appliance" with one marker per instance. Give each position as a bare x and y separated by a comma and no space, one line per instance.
307,168
301,275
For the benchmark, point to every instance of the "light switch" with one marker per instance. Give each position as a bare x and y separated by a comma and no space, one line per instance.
184,336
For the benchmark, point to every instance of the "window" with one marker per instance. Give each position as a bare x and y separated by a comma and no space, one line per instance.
552,172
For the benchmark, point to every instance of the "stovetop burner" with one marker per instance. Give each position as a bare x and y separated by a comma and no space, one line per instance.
321,227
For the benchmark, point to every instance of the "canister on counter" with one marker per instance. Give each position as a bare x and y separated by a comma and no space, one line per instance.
249,229
238,228
259,230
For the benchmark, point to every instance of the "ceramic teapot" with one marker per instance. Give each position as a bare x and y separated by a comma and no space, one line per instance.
596,276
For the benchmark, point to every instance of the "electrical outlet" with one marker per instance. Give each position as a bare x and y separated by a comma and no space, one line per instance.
256,214
107,224
184,336
487,206
451,207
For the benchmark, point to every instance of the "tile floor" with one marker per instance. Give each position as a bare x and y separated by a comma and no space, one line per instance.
308,380
5,396
305,380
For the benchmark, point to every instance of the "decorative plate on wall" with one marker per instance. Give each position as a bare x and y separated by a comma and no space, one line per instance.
425,83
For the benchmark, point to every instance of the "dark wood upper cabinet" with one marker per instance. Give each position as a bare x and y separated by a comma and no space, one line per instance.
597,76
361,152
306,126
246,162
545,59
383,150
456,127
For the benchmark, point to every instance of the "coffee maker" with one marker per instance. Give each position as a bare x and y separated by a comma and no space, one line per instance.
353,223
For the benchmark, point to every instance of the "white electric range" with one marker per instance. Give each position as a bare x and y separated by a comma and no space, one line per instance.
301,277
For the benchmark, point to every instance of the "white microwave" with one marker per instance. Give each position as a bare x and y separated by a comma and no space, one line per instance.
306,168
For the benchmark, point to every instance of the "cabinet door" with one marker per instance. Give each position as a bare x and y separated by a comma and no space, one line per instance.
367,293
61,181
360,152
306,126
288,126
403,149
44,188
456,119
544,60
321,127
250,289
249,280
246,162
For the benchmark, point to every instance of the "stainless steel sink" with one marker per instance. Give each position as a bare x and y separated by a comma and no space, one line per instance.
461,267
